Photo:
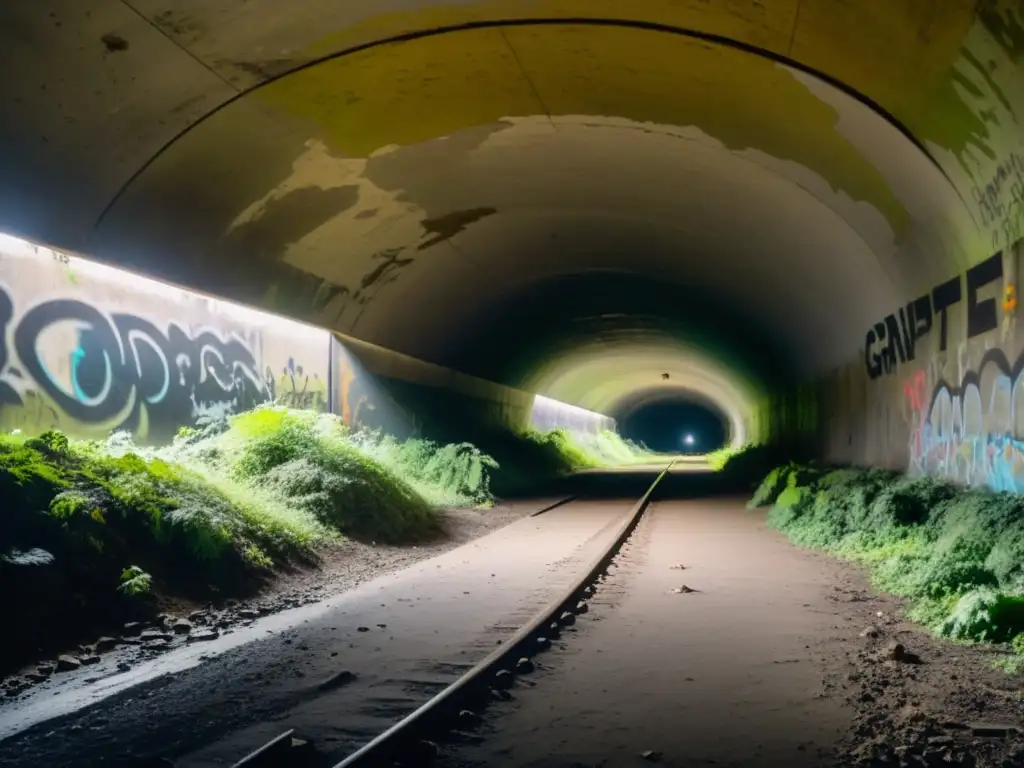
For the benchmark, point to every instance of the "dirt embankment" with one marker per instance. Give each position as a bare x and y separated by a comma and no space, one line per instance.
174,623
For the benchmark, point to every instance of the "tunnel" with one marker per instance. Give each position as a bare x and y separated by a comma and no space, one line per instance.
775,203
789,225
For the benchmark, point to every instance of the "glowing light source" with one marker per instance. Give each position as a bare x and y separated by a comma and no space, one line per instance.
689,439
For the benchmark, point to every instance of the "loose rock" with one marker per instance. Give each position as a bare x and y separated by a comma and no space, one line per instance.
871,632
524,665
203,635
181,626
67,663
155,634
567,619
89,660
105,644
504,680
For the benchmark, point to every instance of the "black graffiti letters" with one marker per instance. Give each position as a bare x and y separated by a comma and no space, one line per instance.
944,297
981,315
894,339
123,369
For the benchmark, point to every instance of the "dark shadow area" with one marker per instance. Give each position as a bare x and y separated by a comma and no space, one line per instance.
554,317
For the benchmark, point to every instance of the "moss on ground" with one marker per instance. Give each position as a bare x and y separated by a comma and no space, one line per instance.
957,554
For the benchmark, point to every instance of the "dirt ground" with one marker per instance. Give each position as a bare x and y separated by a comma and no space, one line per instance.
342,566
338,671
777,657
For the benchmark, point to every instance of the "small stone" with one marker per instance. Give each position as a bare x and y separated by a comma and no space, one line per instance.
37,677
362,629
582,607
132,629
123,666
504,680
524,665
150,635
543,643
500,694
203,635
181,626
567,619
678,567
90,660
383,626
554,630
198,616
67,663
46,668
649,754
683,590
248,613
105,644
871,632
469,719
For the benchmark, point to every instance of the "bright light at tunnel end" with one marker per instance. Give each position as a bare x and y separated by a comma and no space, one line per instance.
689,439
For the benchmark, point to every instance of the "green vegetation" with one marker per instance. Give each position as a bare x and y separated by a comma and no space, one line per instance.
572,452
957,554
610,449
94,530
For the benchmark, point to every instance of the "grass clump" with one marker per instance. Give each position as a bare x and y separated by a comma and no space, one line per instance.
957,554
451,475
307,460
609,449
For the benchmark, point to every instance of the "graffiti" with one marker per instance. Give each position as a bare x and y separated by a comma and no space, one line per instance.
296,388
894,340
1004,191
916,393
123,371
969,433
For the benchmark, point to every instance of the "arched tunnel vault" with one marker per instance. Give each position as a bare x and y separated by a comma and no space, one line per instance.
398,170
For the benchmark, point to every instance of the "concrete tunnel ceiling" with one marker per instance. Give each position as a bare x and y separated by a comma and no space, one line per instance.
412,172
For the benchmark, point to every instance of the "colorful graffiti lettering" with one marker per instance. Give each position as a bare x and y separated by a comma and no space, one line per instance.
969,433
296,388
123,371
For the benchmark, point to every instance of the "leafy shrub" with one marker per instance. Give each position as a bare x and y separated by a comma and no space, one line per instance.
135,582
957,554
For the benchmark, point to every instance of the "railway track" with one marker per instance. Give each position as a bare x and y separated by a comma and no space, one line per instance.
413,740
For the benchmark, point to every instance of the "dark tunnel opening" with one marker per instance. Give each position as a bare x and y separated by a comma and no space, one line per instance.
679,425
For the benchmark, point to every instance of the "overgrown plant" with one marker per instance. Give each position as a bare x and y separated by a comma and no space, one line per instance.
957,554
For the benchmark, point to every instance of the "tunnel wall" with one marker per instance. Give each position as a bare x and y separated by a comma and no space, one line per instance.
89,349
938,387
